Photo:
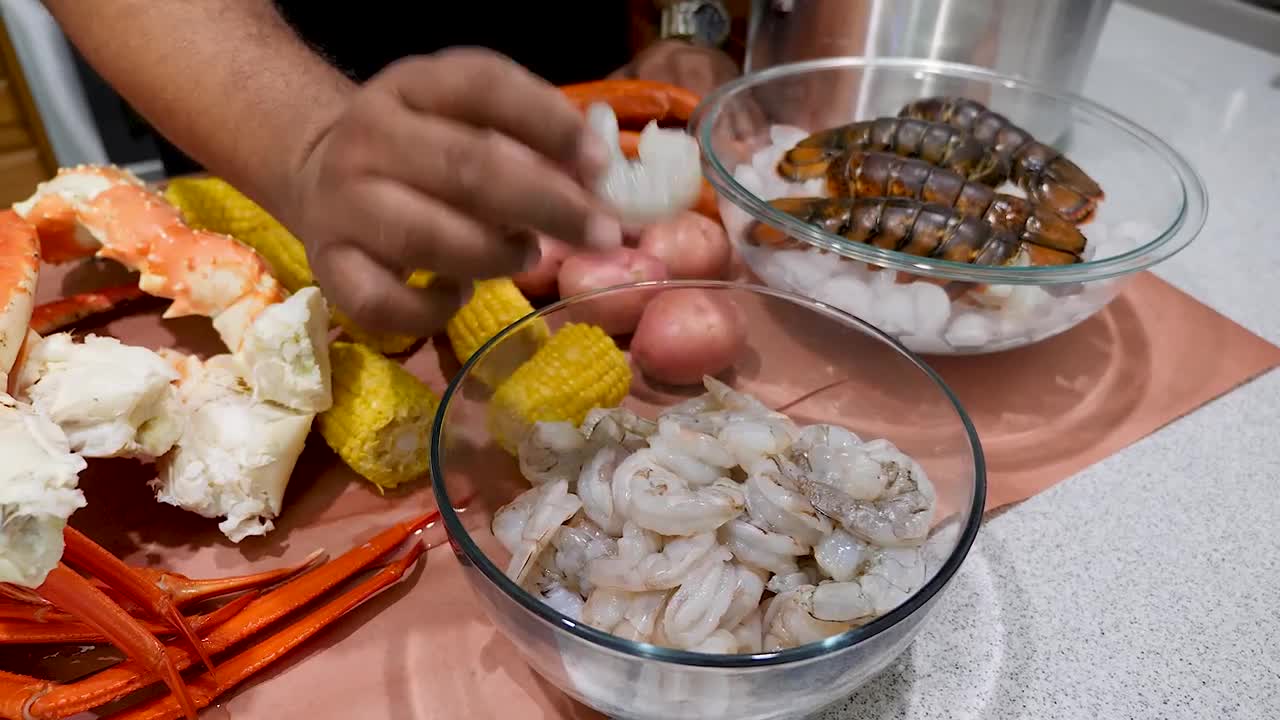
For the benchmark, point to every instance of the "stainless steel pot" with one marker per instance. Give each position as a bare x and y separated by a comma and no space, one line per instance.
1049,42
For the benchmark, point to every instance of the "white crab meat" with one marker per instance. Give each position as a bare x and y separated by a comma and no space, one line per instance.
285,354
111,399
236,454
38,492
663,181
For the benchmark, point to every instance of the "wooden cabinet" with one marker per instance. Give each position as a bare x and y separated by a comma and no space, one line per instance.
26,157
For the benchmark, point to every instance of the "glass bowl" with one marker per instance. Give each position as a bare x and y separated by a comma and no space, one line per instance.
1154,205
814,362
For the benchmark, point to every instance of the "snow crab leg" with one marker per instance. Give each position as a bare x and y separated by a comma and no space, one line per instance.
33,699
63,628
207,688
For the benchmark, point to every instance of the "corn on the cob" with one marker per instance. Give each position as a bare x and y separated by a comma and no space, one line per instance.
578,369
213,204
380,422
496,304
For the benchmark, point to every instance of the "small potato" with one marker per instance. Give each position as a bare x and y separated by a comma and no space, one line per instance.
691,245
687,333
540,281
584,272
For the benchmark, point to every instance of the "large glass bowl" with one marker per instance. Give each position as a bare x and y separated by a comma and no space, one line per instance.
1155,203
807,359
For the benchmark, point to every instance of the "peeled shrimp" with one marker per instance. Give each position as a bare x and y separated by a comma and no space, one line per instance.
746,596
772,505
771,551
698,457
791,622
841,555
655,571
595,488
696,609
659,500
576,545
552,451
750,632
617,426
527,525
665,180
629,615
872,489
891,577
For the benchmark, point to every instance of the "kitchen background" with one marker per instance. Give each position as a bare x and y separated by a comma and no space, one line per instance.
55,110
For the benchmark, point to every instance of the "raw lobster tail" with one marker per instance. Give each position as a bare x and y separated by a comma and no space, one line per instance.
936,143
909,226
877,174
1046,174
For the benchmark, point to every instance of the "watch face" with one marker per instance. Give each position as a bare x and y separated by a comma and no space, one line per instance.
712,25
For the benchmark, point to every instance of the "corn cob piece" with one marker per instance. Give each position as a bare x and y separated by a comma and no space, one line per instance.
214,204
496,304
578,369
380,422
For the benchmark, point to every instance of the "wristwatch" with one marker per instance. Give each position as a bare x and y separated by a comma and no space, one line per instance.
701,22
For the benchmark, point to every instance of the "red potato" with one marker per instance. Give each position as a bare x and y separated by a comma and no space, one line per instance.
691,245
686,333
584,272
541,280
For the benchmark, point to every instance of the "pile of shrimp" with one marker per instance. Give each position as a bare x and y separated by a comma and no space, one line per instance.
720,527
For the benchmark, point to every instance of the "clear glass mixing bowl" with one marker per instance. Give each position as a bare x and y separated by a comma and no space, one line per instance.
1155,202
810,360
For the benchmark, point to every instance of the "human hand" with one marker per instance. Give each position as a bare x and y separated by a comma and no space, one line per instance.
695,68
448,162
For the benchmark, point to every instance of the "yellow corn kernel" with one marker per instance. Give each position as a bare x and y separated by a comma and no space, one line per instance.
496,304
213,204
380,422
578,369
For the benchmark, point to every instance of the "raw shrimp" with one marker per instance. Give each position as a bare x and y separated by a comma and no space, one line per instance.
664,181
760,548
661,570
527,525
841,555
628,615
790,621
891,577
774,503
698,457
576,545
659,500
552,451
779,584
873,490
696,609
746,596
750,632
619,426
595,488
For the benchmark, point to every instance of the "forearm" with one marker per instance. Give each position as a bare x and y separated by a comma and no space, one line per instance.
228,82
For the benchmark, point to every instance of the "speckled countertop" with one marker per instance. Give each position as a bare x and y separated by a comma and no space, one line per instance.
1163,601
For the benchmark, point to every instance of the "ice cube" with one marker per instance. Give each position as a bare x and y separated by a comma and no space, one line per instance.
849,294
749,179
931,306
786,136
799,270
969,330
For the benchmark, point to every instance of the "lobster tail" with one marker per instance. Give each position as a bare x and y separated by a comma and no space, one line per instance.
1066,188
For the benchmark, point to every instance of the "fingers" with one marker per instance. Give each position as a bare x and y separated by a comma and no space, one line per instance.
377,300
405,230
486,90
488,175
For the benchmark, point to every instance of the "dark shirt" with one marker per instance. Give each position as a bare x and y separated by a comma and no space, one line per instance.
564,42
